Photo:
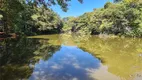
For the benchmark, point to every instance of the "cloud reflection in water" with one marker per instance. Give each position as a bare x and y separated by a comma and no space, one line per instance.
69,63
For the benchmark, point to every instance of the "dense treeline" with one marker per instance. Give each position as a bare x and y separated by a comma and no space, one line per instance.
32,17
27,17
124,18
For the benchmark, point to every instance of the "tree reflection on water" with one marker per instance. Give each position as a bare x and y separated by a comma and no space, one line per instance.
17,54
66,57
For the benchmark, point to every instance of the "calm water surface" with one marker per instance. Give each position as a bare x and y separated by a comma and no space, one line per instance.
66,57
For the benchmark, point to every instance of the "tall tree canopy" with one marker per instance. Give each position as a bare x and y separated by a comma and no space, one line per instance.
120,19
35,16
62,3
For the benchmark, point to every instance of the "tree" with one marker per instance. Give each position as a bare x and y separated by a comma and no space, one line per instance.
46,20
62,3
17,16
9,9
115,18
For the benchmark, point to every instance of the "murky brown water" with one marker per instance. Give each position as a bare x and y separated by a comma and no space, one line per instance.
66,57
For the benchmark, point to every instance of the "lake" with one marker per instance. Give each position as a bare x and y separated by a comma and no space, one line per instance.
71,57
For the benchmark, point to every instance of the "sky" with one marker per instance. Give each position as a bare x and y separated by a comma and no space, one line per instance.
77,9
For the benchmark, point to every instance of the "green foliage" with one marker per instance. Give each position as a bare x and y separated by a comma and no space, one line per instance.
46,19
22,17
9,9
62,3
34,17
122,18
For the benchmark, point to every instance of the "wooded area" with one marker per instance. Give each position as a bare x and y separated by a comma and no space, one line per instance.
32,17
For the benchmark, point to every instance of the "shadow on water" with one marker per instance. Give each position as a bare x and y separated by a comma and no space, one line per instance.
63,57
17,54
14,58
35,59
120,58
